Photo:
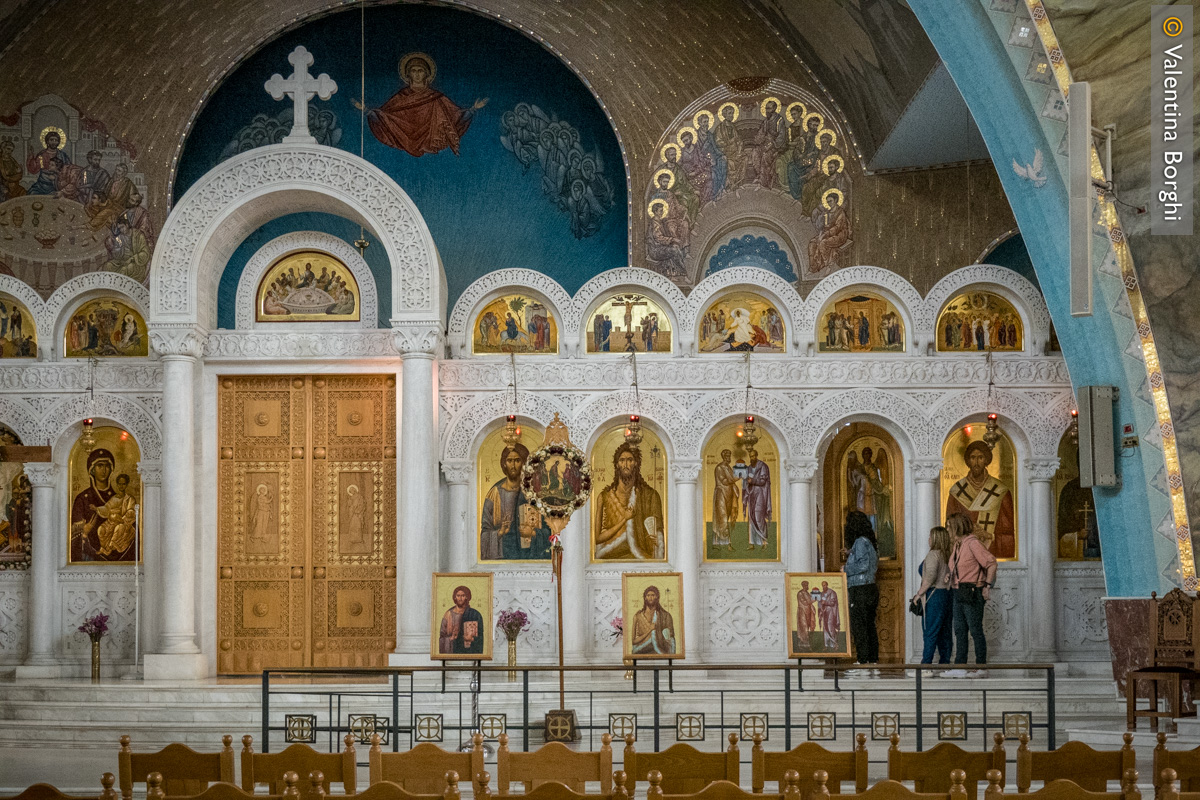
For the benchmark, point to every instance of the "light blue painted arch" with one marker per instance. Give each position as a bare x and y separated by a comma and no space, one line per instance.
1138,555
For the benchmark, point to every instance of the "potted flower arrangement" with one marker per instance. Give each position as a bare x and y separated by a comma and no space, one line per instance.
511,622
96,627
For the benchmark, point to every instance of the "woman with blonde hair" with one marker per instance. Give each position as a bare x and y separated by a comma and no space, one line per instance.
935,597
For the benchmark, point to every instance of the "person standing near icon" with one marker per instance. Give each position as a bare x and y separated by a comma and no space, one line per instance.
972,575
861,562
935,597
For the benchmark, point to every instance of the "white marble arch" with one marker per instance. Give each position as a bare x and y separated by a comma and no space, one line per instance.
768,409
246,191
42,320
20,418
463,435
896,412
89,286
488,287
73,409
751,279
262,260
1018,417
658,414
627,279
1024,296
877,280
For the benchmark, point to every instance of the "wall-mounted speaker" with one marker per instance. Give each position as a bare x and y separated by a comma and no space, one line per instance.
1097,436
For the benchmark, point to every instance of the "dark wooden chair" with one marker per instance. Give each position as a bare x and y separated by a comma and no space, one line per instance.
806,759
1084,766
555,763
1064,789
1185,764
930,770
684,768
894,790
1174,660
184,771
423,769
44,791
271,768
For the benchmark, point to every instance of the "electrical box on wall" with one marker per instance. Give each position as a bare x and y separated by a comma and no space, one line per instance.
1097,436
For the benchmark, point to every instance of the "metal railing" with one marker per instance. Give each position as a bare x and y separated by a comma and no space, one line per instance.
813,702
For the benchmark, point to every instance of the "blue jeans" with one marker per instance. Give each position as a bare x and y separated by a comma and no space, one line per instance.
938,627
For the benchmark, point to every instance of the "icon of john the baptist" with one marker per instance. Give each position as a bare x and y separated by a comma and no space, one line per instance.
419,119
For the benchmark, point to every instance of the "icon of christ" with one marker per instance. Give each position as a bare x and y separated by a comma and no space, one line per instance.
419,119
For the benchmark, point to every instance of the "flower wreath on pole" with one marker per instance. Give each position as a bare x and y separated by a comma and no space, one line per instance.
557,481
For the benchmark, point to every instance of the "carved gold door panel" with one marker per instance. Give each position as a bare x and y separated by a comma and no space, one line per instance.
863,471
306,542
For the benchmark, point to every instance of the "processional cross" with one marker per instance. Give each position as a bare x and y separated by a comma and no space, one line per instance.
300,86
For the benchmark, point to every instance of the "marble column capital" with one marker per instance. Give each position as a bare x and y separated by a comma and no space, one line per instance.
801,470
457,472
416,339
178,339
684,471
1041,469
41,473
926,470
150,472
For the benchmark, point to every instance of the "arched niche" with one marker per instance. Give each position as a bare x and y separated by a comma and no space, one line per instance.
734,461
508,530
628,280
646,537
468,309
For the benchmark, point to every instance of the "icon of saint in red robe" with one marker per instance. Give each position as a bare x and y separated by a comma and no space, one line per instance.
419,119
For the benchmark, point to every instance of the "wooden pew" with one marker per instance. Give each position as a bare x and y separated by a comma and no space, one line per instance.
806,759
555,763
684,768
1185,764
1085,766
270,768
224,791
184,771
1063,789
931,770
1168,789
724,790
894,790
553,790
422,770
44,791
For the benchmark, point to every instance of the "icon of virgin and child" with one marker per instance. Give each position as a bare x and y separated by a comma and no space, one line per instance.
419,119
104,515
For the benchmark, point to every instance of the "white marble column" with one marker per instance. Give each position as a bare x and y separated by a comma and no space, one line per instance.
44,561
178,656
685,542
1038,542
577,621
462,538
800,555
150,536
418,490
926,474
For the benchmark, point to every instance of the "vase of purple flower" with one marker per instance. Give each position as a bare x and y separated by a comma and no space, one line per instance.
96,627
511,623
616,633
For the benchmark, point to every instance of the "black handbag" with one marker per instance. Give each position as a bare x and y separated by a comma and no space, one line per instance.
916,608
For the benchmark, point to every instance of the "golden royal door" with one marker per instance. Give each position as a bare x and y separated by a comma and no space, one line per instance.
306,527
863,470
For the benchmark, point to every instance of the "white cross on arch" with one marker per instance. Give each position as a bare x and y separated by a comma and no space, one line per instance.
301,86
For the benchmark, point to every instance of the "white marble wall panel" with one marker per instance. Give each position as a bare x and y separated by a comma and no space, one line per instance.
14,603
1082,627
86,593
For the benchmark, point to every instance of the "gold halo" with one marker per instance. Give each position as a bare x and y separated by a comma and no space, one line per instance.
825,163
841,198
704,112
792,107
736,111
671,146
832,136
682,131
62,136
820,119
407,57
671,183
656,201
762,107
